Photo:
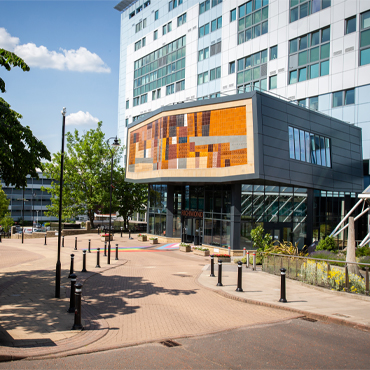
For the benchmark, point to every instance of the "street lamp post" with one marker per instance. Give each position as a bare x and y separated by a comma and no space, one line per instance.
23,200
114,145
58,265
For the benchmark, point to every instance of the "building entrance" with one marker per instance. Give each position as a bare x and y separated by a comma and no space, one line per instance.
279,231
192,230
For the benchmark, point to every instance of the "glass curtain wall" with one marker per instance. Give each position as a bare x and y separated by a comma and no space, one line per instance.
157,209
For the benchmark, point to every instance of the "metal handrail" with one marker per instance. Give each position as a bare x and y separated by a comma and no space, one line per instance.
316,259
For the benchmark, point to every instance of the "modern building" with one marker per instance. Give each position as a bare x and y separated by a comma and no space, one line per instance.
35,200
216,168
313,52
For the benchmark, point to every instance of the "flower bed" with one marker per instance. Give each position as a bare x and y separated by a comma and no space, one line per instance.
105,237
153,240
222,257
185,247
142,238
201,251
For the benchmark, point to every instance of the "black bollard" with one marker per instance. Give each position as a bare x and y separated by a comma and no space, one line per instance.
45,239
0,238
105,249
283,289
97,258
239,288
121,231
212,267
78,293
75,243
84,261
63,241
98,230
89,246
72,262
72,301
219,273
116,252
129,234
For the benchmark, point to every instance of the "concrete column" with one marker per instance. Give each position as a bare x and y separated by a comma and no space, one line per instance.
88,226
169,218
236,193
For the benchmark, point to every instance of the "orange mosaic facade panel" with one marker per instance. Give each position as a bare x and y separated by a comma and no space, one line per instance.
208,139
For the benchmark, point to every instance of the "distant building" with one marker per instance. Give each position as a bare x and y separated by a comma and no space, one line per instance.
35,203
313,52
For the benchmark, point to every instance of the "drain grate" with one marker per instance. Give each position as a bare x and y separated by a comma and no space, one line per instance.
170,343
308,319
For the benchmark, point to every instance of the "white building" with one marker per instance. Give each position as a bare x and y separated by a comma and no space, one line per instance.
314,52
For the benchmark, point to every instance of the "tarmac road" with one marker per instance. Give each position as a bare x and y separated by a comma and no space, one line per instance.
292,344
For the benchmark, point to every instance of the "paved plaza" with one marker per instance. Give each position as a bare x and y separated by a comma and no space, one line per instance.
150,294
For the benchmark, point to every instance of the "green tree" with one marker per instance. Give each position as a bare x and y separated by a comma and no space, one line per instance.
21,153
128,197
4,203
6,222
260,239
87,162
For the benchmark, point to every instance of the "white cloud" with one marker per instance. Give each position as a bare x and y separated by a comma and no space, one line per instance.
80,60
7,42
81,119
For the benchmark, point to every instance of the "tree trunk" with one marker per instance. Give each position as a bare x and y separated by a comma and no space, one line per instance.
351,248
91,218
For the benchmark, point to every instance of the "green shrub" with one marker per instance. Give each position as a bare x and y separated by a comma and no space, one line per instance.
362,251
326,244
260,239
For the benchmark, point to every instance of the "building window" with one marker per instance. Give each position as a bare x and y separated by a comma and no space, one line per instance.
143,98
138,27
252,72
216,48
136,101
345,97
155,35
314,103
203,78
162,67
173,4
273,82
350,25
167,28
203,54
126,122
309,56
308,147
139,9
302,103
138,45
204,6
127,104
232,15
273,52
181,20
204,30
170,89
143,41
231,67
144,23
156,94
215,73
216,24
180,85
365,38
216,2
253,20
156,15
302,8
131,15
147,3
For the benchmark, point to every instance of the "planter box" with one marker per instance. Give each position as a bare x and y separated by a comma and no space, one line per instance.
185,249
106,238
153,241
142,238
201,253
223,259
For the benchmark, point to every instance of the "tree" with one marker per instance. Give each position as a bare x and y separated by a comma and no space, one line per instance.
128,197
86,181
260,239
4,203
21,153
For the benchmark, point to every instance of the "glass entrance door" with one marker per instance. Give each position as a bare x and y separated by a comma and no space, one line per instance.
193,230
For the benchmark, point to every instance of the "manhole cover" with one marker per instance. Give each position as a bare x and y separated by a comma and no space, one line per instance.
308,319
170,343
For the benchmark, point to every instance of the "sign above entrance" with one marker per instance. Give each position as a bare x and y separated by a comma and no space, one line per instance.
195,214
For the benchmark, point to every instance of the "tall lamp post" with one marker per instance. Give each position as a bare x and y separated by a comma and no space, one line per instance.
58,265
115,145
23,200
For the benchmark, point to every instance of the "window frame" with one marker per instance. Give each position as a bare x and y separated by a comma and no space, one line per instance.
346,22
365,48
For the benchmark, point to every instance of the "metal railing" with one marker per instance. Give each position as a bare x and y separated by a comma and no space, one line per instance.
331,274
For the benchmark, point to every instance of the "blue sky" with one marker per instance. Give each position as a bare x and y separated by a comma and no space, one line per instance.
72,48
